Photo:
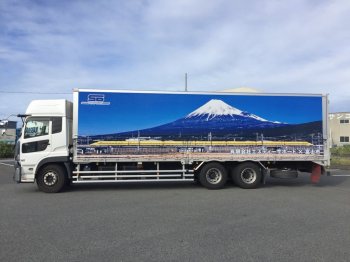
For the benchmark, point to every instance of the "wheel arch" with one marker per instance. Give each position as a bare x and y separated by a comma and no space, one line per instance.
197,169
258,163
62,161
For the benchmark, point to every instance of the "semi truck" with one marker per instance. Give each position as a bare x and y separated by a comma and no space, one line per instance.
119,136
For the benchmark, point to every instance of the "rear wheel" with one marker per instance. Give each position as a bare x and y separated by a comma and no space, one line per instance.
247,175
213,176
51,179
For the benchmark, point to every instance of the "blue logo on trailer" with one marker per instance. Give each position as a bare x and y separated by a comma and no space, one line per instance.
95,99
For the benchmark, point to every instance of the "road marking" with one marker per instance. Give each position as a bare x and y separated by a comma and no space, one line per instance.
339,175
6,164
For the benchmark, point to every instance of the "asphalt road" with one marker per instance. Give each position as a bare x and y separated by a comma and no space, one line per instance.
285,220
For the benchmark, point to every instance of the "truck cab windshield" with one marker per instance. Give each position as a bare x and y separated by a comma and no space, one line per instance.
36,127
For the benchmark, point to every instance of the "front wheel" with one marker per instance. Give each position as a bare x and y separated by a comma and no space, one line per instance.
213,176
51,179
247,175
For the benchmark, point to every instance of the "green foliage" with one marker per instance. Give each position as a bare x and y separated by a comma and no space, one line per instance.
341,151
341,162
340,157
6,150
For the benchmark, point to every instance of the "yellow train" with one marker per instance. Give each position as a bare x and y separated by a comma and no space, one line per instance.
167,143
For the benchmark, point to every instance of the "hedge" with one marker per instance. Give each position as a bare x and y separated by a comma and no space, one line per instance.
6,150
341,150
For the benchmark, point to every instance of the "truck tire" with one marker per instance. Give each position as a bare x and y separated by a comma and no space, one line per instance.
247,175
213,176
51,179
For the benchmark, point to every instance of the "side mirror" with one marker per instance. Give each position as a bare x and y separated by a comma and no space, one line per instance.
3,123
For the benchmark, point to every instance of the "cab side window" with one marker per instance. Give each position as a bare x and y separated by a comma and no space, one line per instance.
56,125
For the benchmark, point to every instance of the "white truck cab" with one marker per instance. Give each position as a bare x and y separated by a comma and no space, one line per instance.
45,138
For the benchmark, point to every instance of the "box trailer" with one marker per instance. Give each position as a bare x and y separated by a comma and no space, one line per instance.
118,136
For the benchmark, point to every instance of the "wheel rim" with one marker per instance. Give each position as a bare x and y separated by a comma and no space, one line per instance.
213,176
248,175
50,178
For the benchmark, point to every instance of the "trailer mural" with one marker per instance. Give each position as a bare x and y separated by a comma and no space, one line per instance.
122,123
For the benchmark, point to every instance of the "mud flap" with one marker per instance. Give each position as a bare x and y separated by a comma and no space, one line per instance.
265,173
316,173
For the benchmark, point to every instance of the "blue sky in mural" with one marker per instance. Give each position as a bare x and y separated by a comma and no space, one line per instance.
128,112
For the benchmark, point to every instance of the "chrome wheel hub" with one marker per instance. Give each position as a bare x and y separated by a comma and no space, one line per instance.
50,178
213,176
248,175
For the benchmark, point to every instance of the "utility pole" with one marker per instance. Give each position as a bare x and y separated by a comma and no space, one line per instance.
185,82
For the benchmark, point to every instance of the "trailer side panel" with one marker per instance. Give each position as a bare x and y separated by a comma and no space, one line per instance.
124,126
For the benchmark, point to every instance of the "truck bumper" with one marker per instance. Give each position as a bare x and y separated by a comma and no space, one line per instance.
19,177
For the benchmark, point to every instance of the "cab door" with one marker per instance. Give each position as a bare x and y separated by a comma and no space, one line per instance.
35,145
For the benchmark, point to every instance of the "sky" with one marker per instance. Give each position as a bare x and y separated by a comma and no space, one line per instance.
118,114
48,48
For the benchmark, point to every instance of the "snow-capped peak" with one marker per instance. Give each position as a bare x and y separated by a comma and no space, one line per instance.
255,117
214,108
217,107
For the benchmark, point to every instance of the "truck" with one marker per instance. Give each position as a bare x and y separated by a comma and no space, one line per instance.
120,136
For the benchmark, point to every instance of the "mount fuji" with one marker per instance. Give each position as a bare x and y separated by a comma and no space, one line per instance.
217,108
216,117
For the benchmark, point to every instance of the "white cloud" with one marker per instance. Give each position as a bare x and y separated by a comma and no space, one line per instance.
275,46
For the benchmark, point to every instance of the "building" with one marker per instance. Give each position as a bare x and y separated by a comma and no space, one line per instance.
339,128
8,136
